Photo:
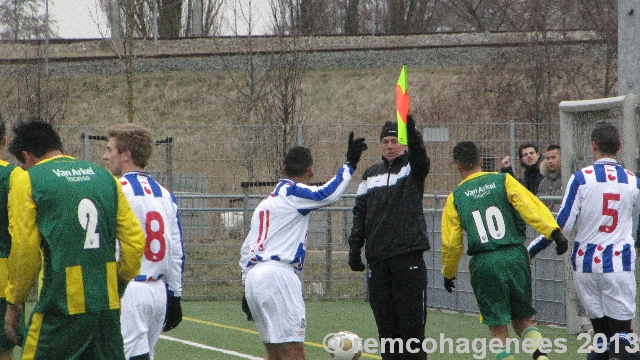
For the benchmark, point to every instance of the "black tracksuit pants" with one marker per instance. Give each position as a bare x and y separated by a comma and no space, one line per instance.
398,298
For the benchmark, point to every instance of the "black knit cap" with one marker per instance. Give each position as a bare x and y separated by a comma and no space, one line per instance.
390,128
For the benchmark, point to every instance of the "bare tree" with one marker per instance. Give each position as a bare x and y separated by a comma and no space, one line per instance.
351,17
204,13
307,17
410,16
169,21
124,47
282,111
251,83
22,19
269,91
34,93
138,15
602,16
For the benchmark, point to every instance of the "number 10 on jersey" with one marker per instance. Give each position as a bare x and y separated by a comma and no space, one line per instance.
494,224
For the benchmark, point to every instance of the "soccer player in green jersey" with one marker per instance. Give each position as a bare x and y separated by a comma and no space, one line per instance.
65,216
8,174
492,209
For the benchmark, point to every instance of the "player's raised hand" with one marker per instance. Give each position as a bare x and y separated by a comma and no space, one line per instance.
354,150
562,244
506,161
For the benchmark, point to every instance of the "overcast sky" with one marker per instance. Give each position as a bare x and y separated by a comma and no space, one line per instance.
84,19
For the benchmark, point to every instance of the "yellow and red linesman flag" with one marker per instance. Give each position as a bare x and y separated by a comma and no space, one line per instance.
402,105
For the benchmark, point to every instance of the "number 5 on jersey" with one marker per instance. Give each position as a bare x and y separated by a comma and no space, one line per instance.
494,224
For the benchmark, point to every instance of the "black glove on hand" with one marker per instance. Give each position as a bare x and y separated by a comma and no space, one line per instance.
173,317
562,244
245,308
449,285
412,132
355,261
354,150
411,124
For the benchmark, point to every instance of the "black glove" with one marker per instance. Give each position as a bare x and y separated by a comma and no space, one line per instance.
173,317
245,308
449,285
562,244
413,135
411,124
354,150
355,261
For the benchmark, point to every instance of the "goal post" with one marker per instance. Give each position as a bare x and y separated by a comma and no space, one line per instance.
577,119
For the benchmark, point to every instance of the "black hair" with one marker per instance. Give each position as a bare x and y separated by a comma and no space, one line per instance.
525,146
297,161
607,137
466,154
553,147
34,136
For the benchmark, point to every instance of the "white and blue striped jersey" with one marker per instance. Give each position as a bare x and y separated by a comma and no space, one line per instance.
157,210
280,222
600,201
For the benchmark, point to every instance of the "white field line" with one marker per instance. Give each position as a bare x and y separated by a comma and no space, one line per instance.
207,347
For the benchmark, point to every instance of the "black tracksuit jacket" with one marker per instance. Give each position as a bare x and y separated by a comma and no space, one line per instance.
388,219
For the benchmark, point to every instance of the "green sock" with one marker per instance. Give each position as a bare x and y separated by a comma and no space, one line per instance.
504,355
532,332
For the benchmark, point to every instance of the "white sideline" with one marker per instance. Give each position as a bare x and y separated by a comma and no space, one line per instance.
202,346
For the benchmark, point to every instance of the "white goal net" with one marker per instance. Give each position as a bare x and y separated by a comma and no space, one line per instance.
577,120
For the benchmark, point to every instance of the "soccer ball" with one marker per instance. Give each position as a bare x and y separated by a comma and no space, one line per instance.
345,345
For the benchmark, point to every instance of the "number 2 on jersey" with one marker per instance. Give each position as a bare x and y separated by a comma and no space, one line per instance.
156,245
88,218
495,224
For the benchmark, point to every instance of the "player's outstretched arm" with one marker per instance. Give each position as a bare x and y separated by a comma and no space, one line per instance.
420,162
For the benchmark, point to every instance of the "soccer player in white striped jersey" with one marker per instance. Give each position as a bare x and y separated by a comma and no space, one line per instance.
275,247
600,200
151,302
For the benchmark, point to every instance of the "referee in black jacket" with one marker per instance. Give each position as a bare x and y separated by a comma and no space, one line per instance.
389,223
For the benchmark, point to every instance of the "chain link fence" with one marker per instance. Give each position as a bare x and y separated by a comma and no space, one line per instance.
220,173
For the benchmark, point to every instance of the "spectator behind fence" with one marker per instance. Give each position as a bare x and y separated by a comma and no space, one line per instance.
600,201
151,302
275,248
551,184
491,208
65,217
389,222
530,161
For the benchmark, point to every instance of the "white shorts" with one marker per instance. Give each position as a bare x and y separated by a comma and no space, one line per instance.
607,294
143,308
274,295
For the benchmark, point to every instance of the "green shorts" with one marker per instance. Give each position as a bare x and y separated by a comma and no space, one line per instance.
501,282
94,335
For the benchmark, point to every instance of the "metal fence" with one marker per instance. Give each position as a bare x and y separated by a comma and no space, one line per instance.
207,166
213,237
